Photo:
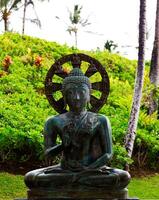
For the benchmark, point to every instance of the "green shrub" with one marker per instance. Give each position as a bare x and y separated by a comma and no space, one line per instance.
24,107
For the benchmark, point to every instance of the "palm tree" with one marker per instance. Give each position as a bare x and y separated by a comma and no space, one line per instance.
6,8
26,3
154,67
110,45
76,21
36,20
132,125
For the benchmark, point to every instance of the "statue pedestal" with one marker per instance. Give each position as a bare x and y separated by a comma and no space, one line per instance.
78,199
77,193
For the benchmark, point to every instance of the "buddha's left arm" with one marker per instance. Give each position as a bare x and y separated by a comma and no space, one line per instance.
105,137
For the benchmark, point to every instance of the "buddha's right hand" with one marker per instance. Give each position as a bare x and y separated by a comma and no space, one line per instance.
54,151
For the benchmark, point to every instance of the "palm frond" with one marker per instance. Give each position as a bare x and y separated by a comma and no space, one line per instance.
84,22
30,2
35,21
70,15
14,5
71,29
4,3
95,33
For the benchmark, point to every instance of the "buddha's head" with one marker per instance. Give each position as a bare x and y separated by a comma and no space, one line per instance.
76,90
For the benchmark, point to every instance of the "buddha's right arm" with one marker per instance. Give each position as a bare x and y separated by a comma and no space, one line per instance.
50,136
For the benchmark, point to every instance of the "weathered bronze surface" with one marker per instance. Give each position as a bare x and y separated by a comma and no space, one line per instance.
86,145
78,193
59,198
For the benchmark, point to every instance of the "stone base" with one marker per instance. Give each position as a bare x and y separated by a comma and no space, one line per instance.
78,199
78,193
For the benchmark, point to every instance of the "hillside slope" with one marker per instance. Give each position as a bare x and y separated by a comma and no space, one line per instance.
24,62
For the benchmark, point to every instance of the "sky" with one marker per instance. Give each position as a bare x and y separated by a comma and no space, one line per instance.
110,20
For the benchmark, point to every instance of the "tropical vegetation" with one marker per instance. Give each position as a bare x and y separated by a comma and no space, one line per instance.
24,62
6,9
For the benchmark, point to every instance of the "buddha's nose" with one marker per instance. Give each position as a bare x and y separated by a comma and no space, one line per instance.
77,96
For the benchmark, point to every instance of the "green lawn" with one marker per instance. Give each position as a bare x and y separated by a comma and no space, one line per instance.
12,186
145,188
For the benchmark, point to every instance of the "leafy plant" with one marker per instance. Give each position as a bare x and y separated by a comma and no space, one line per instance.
24,107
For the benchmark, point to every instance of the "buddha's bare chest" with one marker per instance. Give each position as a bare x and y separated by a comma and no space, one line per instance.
79,132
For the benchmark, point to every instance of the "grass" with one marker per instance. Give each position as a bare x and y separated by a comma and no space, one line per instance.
145,188
12,186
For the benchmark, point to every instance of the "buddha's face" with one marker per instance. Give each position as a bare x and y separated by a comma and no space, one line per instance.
77,96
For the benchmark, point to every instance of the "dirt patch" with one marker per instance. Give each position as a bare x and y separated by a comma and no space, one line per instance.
18,168
23,168
142,172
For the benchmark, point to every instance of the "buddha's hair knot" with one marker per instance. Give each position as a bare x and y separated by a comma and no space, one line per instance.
76,76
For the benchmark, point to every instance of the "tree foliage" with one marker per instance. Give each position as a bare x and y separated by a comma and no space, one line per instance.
76,21
6,9
24,107
110,45
36,20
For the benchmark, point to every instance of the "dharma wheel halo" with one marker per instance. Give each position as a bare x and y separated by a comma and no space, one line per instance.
54,86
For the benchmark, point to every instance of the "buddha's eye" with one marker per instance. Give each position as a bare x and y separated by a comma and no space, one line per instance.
69,92
82,92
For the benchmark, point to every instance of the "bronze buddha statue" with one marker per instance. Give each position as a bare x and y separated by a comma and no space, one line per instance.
86,144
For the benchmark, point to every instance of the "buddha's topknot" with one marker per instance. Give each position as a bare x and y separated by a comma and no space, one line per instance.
76,76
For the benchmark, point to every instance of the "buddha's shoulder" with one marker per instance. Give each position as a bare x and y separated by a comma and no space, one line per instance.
99,117
53,120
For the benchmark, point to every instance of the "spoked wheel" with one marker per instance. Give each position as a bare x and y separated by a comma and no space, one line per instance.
95,72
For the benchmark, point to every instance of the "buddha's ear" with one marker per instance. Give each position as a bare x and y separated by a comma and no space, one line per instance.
88,106
88,97
90,91
65,103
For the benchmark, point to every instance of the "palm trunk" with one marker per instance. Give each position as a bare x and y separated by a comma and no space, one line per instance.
24,16
5,25
154,67
5,16
132,125
76,39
